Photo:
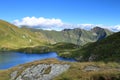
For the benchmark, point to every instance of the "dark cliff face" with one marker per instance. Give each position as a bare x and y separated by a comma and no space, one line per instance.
76,35
66,29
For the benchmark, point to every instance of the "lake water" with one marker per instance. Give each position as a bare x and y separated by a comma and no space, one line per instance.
10,59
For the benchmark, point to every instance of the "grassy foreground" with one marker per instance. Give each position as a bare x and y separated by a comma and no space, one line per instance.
76,72
108,71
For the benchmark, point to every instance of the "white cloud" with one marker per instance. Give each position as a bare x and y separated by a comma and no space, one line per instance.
37,22
57,24
116,28
86,26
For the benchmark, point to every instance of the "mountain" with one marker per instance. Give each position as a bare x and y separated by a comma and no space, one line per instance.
76,36
107,49
14,37
101,33
34,40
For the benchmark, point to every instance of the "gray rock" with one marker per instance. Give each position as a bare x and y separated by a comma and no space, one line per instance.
91,68
13,75
92,57
41,72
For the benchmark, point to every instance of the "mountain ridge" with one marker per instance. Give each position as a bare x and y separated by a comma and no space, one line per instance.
76,36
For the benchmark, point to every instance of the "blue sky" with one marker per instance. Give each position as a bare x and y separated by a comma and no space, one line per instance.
105,12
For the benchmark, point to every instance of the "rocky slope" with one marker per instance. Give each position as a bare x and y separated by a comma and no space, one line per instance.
40,72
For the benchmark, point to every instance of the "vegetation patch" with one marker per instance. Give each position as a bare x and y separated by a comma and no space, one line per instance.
47,70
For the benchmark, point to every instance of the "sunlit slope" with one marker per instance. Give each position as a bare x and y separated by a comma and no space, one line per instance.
14,37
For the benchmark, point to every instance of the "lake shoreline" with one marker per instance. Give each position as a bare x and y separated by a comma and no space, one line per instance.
11,59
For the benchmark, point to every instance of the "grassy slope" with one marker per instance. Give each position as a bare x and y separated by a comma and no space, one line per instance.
107,49
14,37
76,71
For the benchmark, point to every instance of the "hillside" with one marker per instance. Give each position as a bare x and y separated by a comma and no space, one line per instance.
107,49
76,36
14,37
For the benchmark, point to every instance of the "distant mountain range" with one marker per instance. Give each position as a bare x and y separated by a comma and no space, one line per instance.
76,36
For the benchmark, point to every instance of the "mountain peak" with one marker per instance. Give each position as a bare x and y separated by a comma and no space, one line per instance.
71,29
67,29
97,29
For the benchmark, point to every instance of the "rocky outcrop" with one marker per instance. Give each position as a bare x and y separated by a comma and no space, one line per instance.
91,68
40,72
97,68
92,57
13,75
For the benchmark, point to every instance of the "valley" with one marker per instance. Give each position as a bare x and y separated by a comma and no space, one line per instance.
92,55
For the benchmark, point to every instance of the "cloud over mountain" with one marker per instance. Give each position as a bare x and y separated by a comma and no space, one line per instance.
57,24
33,21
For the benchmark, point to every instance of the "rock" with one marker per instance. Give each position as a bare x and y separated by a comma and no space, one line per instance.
91,68
97,68
92,57
41,72
13,75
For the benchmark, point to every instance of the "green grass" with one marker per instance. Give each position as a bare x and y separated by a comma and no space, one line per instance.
13,37
107,49
76,72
